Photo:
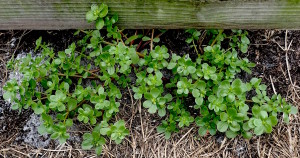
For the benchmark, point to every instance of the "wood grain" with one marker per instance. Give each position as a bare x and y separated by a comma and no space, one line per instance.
168,14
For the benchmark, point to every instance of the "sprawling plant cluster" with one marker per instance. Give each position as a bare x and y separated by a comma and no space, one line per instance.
55,85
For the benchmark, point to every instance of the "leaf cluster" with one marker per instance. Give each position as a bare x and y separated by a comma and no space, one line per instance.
54,85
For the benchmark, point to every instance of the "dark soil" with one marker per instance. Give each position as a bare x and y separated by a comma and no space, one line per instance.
265,50
270,58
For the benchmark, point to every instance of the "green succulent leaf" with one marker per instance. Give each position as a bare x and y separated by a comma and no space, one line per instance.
99,24
222,126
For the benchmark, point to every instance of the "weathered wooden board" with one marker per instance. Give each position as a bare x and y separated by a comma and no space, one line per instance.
70,14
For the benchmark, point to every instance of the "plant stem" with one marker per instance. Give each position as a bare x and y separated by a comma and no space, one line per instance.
96,70
43,98
77,76
95,75
195,48
68,112
221,70
151,44
82,54
121,38
249,101
213,43
83,31
123,35
150,40
140,54
108,43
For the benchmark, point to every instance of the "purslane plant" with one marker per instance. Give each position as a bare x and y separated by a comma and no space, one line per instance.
55,86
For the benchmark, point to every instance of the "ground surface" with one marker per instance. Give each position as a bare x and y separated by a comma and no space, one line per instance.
276,53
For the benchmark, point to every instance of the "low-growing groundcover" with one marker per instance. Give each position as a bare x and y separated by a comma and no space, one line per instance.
52,85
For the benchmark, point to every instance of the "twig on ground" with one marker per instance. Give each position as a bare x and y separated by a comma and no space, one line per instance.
201,39
20,38
213,153
132,107
133,145
5,77
174,146
291,148
61,150
184,136
62,145
258,146
8,149
287,48
9,139
141,119
273,87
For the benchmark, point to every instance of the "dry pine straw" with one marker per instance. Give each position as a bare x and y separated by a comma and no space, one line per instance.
144,141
